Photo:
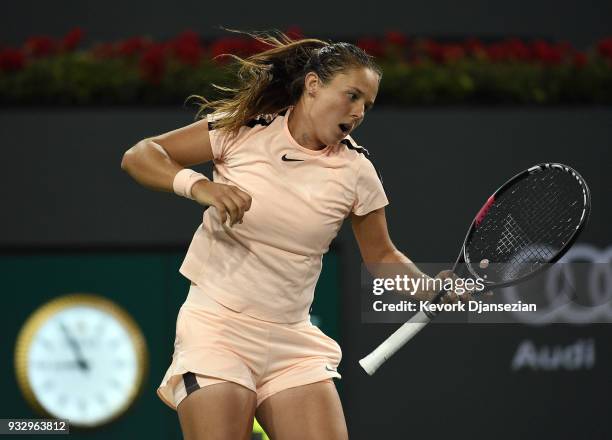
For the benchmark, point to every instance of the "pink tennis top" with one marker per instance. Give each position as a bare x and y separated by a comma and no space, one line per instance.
268,266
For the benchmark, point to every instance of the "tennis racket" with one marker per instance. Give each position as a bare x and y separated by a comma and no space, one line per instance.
526,225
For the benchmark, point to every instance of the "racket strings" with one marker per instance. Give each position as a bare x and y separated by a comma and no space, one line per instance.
512,236
528,224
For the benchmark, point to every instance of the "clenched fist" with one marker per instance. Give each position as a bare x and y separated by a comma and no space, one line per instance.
228,199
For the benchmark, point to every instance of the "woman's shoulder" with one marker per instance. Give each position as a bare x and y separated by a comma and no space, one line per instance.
361,157
246,130
352,149
249,133
260,120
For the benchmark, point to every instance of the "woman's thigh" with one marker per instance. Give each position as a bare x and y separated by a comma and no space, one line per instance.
304,412
218,412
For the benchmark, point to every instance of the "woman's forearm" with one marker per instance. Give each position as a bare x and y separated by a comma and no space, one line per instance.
149,164
393,264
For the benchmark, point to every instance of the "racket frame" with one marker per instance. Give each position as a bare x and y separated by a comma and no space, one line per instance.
583,221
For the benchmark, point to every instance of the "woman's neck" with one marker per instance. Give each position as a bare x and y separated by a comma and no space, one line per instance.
299,129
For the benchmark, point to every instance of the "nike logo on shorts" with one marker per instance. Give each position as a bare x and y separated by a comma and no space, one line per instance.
286,159
328,368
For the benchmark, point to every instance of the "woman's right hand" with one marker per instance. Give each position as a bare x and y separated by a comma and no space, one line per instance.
229,200
452,296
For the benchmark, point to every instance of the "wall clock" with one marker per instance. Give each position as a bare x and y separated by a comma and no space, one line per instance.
81,357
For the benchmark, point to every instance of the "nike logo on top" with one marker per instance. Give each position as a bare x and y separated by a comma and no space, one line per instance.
286,159
328,368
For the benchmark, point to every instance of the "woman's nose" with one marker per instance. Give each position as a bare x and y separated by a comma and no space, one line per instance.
359,111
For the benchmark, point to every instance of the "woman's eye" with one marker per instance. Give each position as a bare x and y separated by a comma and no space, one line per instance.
353,96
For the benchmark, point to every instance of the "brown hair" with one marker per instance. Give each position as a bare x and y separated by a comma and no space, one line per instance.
272,80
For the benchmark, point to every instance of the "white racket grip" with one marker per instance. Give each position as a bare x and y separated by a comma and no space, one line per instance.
384,351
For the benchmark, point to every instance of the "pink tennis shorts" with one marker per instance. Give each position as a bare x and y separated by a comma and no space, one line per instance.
215,344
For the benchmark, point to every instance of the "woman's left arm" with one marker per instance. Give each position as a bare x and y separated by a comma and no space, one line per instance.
378,252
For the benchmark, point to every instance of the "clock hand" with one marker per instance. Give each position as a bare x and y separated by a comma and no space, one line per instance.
66,365
76,348
56,365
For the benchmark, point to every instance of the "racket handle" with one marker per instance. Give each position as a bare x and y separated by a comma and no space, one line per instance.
384,351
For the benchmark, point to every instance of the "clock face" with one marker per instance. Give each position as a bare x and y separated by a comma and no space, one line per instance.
84,363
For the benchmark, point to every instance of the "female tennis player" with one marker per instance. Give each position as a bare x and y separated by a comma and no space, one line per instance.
286,174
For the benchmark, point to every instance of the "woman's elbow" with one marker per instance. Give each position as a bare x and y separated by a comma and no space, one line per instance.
130,155
125,160
380,254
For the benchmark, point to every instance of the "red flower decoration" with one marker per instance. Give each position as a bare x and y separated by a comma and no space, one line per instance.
442,53
546,53
517,49
497,52
104,50
565,48
580,60
372,46
40,45
452,52
395,38
72,39
295,33
231,45
132,46
153,62
186,47
432,49
259,46
474,47
11,60
604,47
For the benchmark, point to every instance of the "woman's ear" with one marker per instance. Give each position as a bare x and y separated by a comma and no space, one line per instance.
311,84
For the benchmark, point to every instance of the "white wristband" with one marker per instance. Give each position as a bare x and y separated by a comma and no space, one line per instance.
184,181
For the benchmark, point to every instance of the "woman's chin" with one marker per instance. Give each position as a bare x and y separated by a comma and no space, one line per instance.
338,136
